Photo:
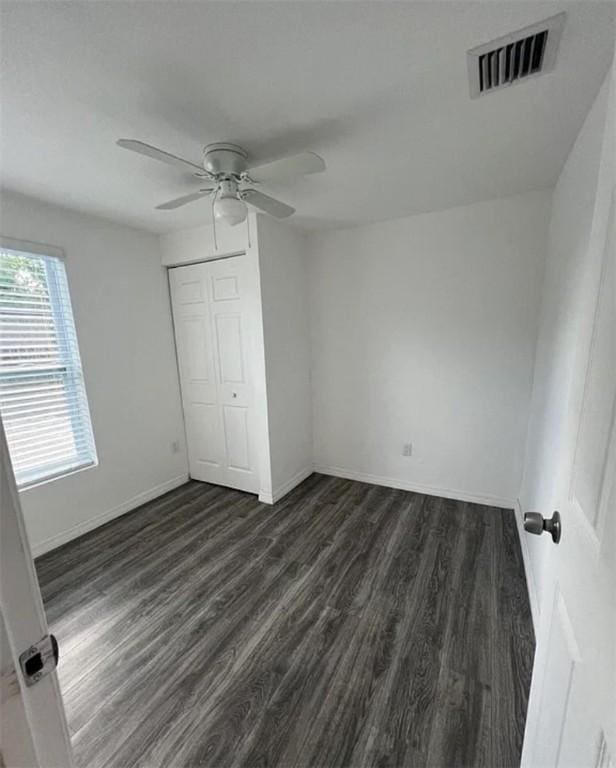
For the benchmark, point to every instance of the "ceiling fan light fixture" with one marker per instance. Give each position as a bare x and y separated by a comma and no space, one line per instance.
228,206
231,210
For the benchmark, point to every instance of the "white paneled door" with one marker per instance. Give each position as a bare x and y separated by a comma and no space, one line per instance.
212,331
33,727
572,710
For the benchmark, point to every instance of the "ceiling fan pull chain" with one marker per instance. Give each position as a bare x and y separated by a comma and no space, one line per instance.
214,196
248,228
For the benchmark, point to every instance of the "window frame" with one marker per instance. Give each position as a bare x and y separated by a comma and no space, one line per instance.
30,248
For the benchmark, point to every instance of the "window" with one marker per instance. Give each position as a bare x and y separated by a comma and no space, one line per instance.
42,393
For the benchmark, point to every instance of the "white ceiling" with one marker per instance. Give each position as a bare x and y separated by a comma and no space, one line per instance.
379,89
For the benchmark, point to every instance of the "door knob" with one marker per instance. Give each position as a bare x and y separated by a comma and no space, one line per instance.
535,523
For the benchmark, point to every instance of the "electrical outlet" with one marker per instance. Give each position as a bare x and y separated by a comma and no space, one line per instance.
175,447
407,449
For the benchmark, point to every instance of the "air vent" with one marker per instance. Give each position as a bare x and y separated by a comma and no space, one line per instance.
515,57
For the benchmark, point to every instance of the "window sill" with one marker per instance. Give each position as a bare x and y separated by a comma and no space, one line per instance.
61,474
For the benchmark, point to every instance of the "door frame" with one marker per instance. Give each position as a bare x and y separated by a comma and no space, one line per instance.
256,350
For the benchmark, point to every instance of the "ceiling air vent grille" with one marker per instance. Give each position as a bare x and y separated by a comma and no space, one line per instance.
510,59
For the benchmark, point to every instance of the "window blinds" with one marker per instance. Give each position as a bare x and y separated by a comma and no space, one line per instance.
42,395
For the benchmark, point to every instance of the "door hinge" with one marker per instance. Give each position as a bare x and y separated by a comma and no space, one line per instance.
39,659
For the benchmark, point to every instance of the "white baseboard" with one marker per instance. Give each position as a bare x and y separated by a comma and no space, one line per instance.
405,485
533,597
271,498
94,522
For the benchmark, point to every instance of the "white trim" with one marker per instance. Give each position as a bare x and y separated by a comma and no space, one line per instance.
94,522
271,497
405,485
27,246
533,597
60,475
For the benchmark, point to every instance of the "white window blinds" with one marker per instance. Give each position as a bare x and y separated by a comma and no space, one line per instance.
42,394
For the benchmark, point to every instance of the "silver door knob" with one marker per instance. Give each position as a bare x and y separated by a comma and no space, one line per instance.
535,523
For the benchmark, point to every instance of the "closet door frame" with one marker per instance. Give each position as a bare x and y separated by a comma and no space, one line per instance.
227,397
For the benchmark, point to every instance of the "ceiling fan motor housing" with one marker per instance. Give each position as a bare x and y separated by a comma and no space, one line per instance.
224,159
227,188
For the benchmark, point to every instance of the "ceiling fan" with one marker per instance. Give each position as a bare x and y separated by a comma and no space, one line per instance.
227,174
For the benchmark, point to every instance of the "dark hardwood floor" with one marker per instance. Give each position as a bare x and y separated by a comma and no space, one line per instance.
347,625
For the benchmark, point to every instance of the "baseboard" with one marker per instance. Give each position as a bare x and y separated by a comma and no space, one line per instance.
405,485
271,498
94,522
533,597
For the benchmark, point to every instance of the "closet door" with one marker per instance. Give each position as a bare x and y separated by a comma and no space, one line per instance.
211,330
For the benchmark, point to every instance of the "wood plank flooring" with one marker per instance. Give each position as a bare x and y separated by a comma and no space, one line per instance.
347,625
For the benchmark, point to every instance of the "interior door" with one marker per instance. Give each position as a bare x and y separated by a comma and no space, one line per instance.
212,331
34,732
572,708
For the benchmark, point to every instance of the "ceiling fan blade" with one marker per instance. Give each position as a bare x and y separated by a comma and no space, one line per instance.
183,200
157,154
296,165
268,204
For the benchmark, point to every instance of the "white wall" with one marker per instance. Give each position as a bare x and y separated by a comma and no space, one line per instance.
186,246
121,307
287,352
423,330
567,299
